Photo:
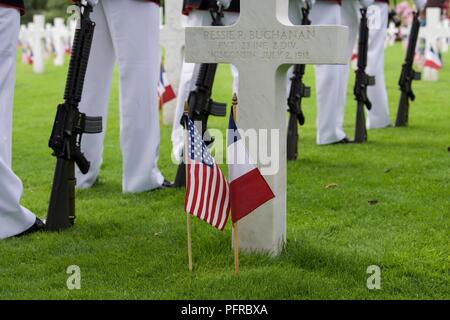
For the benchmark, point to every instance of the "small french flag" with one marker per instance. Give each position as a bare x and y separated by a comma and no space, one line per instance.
248,188
432,60
165,90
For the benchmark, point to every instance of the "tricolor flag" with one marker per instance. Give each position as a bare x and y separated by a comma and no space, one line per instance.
248,188
432,60
207,191
165,90
354,60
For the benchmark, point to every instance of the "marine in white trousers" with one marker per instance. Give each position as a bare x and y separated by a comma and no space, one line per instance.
328,77
189,73
127,31
350,15
379,114
14,218
349,18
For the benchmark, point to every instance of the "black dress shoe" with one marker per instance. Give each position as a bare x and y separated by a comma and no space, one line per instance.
343,141
38,225
167,185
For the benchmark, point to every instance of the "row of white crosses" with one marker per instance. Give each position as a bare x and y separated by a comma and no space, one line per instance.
434,34
40,39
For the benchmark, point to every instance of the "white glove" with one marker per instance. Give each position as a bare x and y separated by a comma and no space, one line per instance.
224,3
309,2
420,4
92,3
366,3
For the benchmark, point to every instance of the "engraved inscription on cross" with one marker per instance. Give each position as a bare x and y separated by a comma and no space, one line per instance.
262,45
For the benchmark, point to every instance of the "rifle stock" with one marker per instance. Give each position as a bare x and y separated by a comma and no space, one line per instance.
61,211
360,129
292,138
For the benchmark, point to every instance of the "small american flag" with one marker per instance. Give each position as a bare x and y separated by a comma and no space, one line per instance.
207,190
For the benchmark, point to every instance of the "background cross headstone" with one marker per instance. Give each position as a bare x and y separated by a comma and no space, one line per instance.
73,23
392,34
262,45
446,26
172,40
432,33
38,38
60,37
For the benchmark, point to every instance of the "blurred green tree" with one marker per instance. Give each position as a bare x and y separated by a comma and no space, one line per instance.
50,8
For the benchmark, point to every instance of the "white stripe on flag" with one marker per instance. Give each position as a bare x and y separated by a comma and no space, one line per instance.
191,189
225,209
218,202
205,194
199,189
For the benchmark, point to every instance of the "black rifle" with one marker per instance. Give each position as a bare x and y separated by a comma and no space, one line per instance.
408,75
297,92
68,128
200,103
363,80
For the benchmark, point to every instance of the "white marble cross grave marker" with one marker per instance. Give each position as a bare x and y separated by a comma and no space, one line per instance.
262,45
391,35
432,33
445,44
38,46
60,36
172,39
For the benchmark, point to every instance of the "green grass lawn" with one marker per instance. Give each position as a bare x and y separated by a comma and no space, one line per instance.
390,207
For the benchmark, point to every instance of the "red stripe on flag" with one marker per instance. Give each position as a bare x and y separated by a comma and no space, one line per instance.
431,64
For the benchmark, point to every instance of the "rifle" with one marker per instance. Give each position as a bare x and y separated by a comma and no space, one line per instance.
69,126
363,80
297,92
200,103
408,75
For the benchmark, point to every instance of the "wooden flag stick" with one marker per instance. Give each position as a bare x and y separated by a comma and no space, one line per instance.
235,225
188,216
189,240
236,248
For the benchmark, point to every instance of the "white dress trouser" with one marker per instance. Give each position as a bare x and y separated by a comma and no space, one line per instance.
127,31
14,218
189,73
328,77
350,17
379,115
